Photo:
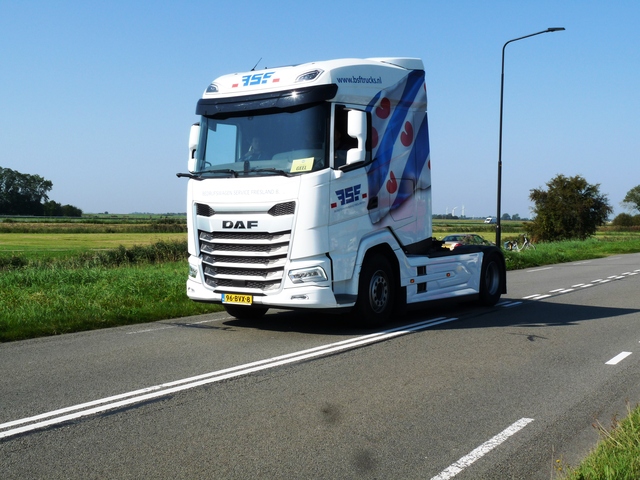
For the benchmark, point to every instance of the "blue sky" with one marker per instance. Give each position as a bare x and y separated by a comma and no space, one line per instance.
98,97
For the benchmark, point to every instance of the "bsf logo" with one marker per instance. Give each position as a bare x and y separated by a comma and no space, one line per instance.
256,79
349,195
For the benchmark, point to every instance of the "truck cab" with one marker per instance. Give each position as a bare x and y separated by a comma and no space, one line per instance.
310,188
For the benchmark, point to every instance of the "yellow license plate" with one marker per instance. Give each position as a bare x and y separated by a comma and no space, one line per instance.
237,299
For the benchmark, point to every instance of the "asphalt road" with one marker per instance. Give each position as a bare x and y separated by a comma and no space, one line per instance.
449,390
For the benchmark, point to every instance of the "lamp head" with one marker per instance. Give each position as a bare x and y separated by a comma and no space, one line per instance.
555,29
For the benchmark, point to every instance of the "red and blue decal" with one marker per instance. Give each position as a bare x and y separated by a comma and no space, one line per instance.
257,79
349,195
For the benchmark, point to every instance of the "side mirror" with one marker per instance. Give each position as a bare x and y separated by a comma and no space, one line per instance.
194,136
357,128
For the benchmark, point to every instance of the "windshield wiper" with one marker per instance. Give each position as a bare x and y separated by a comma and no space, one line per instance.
269,170
198,175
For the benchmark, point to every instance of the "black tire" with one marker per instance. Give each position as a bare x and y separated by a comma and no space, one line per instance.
491,277
246,313
376,291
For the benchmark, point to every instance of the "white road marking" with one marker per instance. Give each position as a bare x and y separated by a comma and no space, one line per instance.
156,329
536,296
618,358
156,391
510,304
457,467
539,269
166,327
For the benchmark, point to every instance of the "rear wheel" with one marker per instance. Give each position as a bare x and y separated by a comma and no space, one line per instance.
246,313
376,291
491,280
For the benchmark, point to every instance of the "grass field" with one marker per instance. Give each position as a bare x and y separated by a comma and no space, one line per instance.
66,244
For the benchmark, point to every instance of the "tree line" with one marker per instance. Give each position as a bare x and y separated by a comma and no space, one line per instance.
25,194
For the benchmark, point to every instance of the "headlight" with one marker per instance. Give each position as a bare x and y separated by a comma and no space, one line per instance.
213,88
308,76
304,275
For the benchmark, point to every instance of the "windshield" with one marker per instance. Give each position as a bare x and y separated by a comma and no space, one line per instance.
282,142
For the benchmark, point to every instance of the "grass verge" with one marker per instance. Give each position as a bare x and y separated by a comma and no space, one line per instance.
617,456
59,300
50,296
571,251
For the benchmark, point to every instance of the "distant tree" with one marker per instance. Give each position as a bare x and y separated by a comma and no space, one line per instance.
515,216
626,220
52,209
24,194
632,199
571,208
505,216
71,211
21,193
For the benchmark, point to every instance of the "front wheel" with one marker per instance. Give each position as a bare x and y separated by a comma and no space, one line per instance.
376,291
246,313
491,277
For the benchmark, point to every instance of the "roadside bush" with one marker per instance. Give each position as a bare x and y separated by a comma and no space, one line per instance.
12,262
156,253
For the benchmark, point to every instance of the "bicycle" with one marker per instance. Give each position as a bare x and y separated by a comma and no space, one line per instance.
527,245
513,245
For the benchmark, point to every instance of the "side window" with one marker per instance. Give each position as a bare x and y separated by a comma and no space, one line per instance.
221,143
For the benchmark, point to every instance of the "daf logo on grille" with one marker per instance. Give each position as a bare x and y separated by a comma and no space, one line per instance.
240,224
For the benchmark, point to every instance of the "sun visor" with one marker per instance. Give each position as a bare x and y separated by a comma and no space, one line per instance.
263,101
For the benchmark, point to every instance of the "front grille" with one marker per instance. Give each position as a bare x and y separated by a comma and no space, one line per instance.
247,262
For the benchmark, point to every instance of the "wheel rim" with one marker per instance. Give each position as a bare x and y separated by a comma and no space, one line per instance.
378,291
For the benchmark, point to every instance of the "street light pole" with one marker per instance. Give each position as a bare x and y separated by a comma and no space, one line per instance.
498,225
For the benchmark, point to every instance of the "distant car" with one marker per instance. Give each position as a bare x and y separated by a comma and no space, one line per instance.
458,239
490,220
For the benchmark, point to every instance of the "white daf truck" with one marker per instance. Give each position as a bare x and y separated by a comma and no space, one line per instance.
310,189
